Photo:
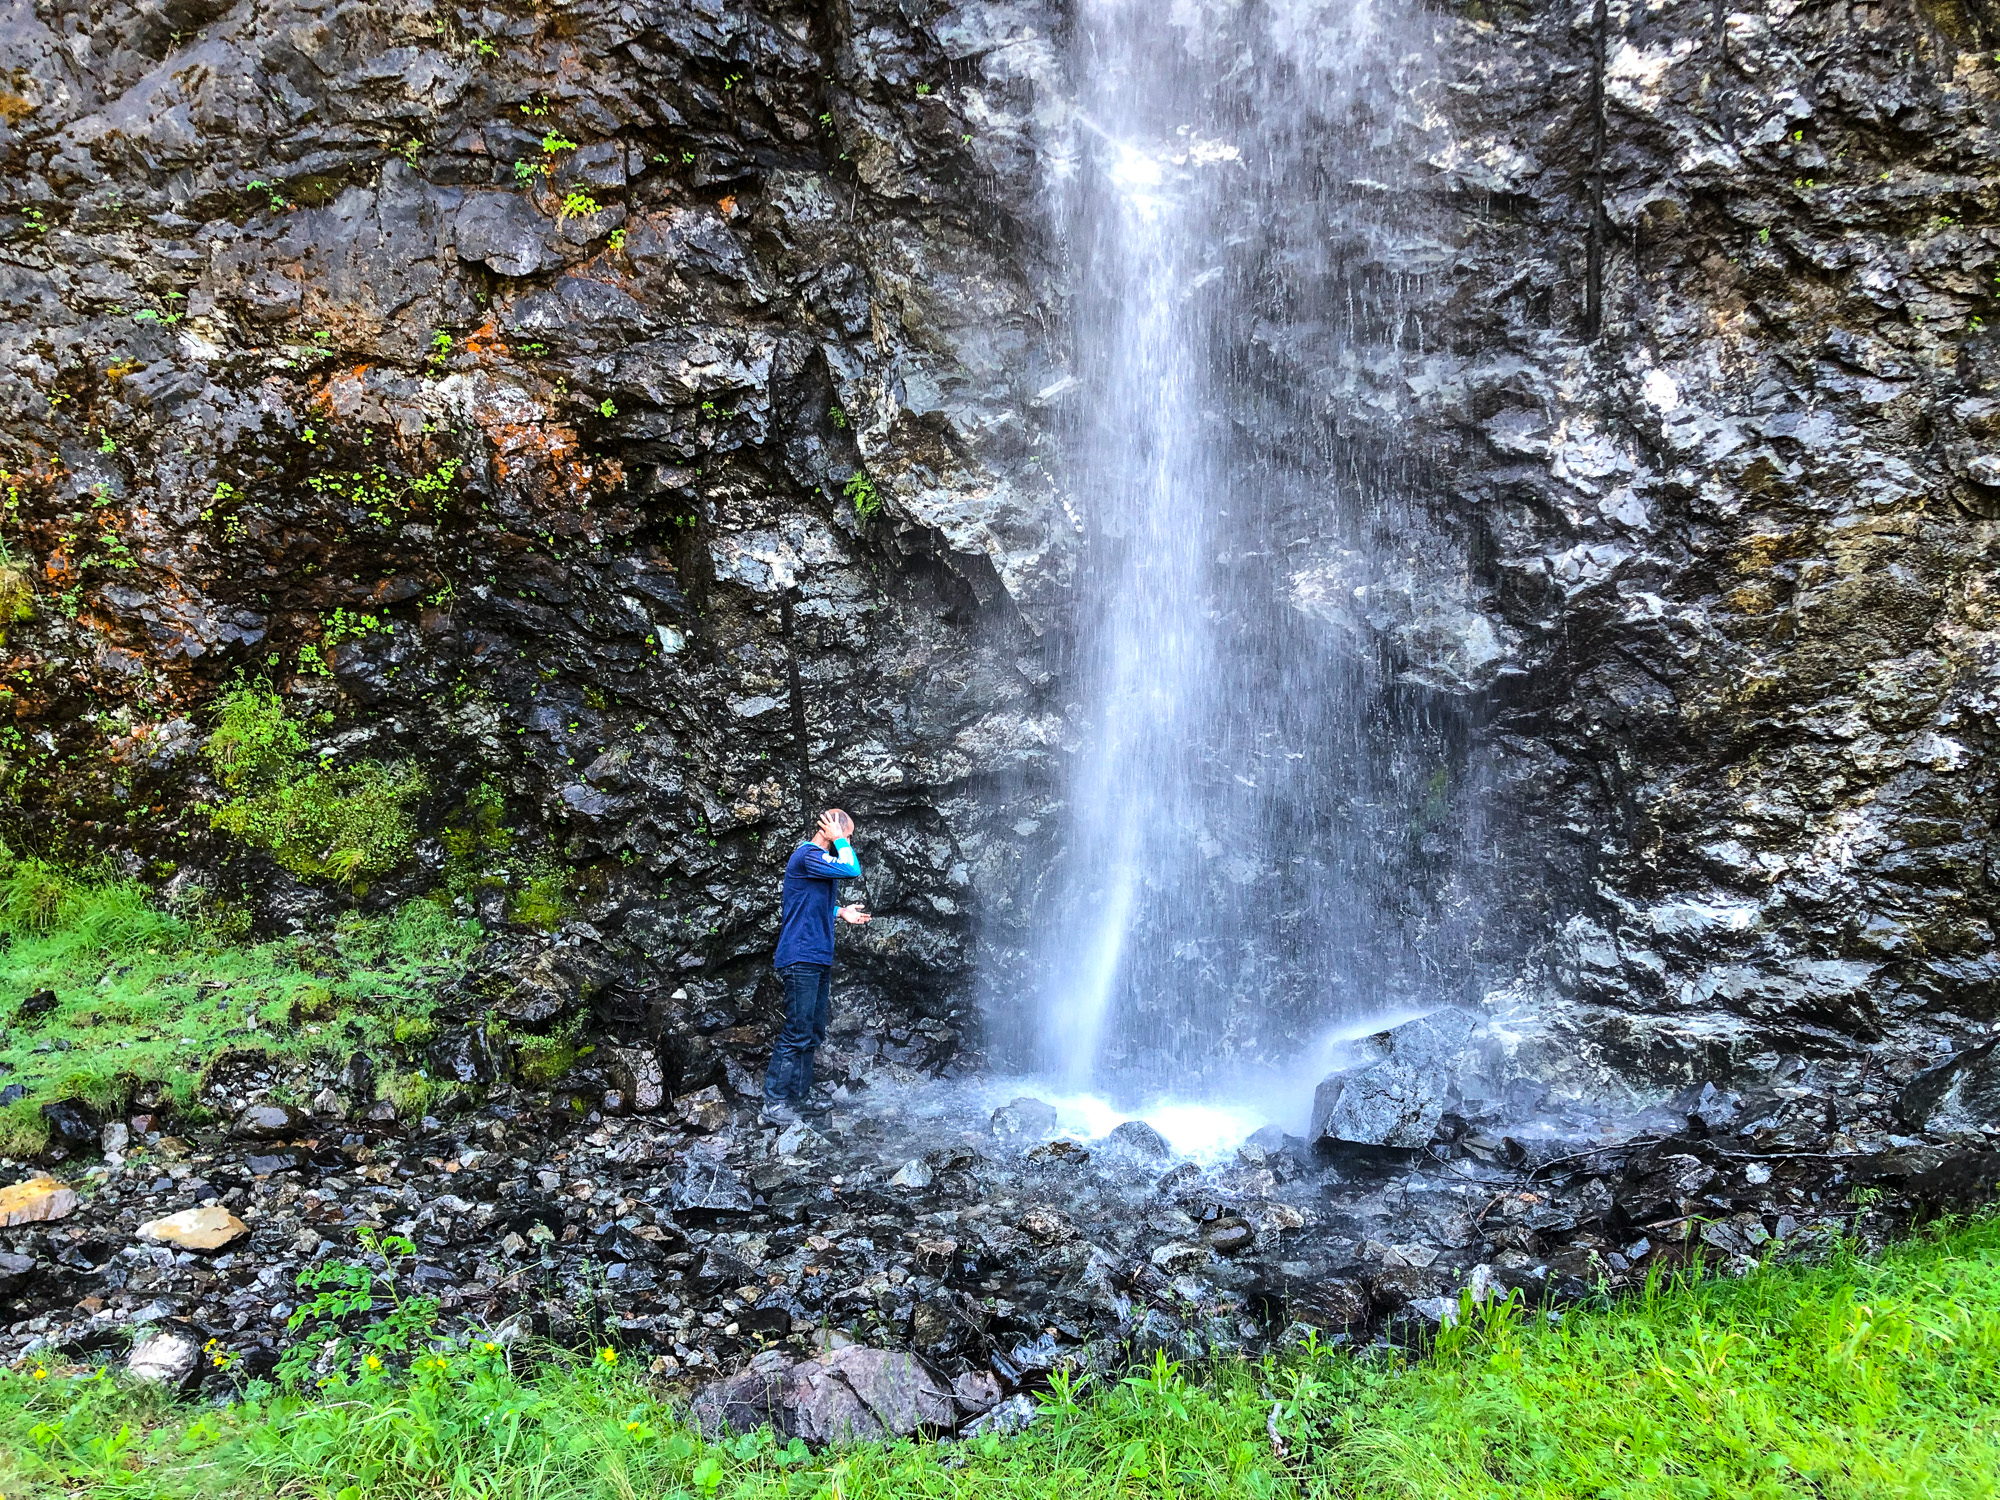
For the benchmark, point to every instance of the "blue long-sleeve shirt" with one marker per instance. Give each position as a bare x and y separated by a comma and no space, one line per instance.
805,934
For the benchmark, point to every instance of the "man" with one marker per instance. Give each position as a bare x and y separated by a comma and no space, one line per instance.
805,958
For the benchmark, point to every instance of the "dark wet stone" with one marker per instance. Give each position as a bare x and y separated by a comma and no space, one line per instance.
281,1161
1337,1306
16,1271
528,1215
506,232
707,1186
462,1057
1059,1154
357,1075
945,1324
1181,1177
1707,1107
34,1007
721,1270
1396,1286
72,1122
13,1092
1398,1097
615,1242
1229,1236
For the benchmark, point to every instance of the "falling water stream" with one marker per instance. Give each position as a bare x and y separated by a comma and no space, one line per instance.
1263,818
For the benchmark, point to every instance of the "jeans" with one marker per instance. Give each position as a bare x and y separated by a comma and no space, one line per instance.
808,1004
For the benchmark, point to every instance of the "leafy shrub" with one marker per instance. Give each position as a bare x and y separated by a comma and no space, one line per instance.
343,825
255,743
344,1293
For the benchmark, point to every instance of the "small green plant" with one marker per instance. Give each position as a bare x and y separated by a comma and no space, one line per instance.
484,47
409,150
616,239
606,409
860,490
343,1295
838,417
351,625
279,202
577,204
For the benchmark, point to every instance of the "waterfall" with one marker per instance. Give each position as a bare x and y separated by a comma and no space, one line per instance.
1263,817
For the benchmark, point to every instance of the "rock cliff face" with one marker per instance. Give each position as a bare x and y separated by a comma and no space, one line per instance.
1744,536
627,413
639,414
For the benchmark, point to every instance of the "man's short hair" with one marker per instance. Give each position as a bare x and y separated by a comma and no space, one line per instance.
846,823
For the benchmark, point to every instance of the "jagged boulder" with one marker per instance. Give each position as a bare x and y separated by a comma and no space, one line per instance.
1958,1096
1024,1119
1397,1096
852,1394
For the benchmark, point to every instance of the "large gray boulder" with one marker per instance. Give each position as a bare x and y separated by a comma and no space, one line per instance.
851,1394
1396,1095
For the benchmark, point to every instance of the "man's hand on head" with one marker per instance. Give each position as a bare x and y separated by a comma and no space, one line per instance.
853,913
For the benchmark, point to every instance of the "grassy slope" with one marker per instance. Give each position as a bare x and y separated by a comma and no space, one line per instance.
147,997
1849,1379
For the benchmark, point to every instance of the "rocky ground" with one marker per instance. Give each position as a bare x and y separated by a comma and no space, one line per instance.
917,1251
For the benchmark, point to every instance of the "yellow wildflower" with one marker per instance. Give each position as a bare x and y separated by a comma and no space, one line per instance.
609,1356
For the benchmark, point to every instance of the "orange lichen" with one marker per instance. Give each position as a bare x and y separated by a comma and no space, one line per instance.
485,340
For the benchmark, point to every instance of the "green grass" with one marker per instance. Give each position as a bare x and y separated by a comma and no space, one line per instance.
145,996
1847,1379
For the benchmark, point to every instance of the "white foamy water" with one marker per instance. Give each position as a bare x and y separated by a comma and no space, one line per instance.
1203,1131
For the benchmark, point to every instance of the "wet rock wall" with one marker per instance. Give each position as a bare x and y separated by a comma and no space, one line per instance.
628,411
1732,485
